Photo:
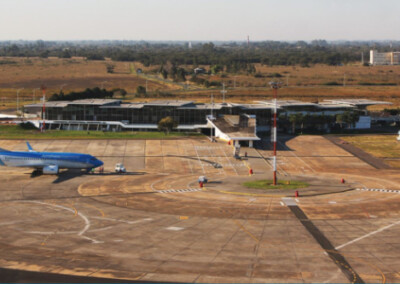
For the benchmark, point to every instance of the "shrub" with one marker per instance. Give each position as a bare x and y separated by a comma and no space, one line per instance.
332,83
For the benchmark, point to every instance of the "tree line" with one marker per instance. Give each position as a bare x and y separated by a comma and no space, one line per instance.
94,93
234,56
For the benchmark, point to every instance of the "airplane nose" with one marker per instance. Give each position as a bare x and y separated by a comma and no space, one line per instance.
99,163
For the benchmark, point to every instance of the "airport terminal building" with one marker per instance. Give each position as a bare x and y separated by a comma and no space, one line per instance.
116,115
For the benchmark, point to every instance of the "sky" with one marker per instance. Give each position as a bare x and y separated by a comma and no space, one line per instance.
199,20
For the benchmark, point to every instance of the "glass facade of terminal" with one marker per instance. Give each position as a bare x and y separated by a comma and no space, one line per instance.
150,114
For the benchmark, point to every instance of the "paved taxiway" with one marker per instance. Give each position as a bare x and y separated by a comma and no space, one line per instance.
155,224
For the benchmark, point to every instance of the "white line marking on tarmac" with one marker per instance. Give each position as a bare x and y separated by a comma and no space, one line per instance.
92,240
174,228
289,201
368,235
379,190
294,155
198,158
10,223
230,163
102,229
123,221
157,181
330,280
82,216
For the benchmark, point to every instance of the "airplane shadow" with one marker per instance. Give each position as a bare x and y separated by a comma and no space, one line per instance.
72,173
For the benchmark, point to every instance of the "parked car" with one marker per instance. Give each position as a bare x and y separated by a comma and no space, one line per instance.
119,168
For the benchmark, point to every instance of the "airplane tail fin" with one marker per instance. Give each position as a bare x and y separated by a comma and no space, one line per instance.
30,147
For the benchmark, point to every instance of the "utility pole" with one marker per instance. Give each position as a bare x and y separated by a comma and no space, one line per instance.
18,99
34,95
44,108
212,114
223,92
62,86
275,86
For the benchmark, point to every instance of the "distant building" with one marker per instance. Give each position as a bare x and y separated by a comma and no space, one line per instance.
384,58
199,70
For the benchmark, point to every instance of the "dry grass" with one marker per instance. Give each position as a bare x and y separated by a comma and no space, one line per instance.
381,146
76,73
307,84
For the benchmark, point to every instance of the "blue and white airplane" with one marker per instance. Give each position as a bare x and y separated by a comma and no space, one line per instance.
47,162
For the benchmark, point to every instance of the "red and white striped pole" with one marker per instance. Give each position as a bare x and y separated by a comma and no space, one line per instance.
275,86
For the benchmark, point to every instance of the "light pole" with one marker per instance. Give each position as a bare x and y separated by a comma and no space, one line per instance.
18,99
223,92
62,86
275,86
34,95
44,109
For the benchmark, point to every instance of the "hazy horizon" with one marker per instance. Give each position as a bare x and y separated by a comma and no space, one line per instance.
205,20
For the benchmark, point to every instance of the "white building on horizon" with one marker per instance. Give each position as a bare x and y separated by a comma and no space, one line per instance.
384,58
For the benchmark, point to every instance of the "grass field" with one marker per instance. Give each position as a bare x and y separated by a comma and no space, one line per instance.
16,132
307,84
281,184
381,146
71,74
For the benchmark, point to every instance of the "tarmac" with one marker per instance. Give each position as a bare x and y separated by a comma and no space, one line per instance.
155,224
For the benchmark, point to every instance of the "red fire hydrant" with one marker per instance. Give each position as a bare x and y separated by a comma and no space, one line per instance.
229,142
342,180
201,184
296,194
250,171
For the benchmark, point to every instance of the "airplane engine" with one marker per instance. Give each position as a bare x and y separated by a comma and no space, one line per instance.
50,170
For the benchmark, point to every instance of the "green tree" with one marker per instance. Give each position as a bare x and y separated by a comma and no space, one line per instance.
123,93
340,120
350,118
181,75
215,69
140,90
166,124
164,74
296,118
110,68
353,117
66,53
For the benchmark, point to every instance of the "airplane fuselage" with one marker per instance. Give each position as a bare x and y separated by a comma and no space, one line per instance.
40,160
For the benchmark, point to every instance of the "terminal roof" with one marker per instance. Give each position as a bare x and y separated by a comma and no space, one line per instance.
357,102
169,103
286,103
94,102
